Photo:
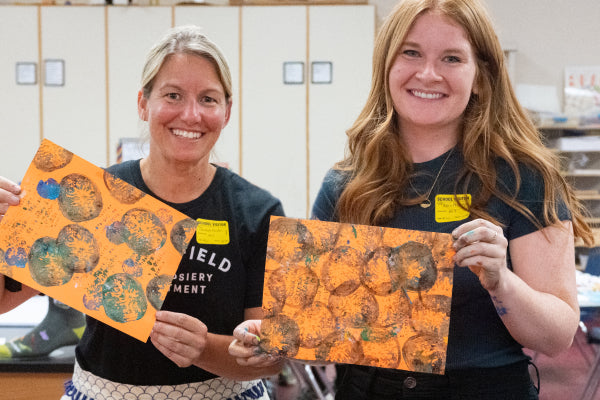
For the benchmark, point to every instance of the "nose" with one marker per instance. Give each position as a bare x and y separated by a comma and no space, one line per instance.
192,111
428,72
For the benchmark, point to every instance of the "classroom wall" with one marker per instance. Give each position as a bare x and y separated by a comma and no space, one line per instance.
548,35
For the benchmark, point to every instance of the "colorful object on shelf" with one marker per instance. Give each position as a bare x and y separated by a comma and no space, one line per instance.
92,241
357,294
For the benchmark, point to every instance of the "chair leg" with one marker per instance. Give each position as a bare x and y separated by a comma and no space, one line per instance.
593,380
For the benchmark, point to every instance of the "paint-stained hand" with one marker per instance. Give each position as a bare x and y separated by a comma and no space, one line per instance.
180,337
10,195
481,246
245,346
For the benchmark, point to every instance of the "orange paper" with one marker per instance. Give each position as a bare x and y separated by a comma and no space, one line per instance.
357,294
93,241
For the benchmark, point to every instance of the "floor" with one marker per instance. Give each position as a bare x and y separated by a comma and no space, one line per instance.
562,378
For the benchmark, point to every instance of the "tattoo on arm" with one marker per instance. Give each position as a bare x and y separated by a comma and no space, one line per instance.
500,309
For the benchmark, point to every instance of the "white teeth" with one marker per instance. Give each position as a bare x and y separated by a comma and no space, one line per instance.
186,134
428,96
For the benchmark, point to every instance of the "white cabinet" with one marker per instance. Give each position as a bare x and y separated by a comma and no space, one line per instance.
274,113
343,36
283,137
19,104
294,132
131,33
221,25
74,114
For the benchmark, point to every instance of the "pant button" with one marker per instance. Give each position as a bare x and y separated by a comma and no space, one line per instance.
410,382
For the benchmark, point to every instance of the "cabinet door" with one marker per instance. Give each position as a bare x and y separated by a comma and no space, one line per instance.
221,25
131,33
20,104
74,114
343,36
274,113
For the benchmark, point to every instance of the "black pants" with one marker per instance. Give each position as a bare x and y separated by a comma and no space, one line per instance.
504,383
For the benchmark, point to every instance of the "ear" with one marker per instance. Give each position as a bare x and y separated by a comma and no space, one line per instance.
142,106
227,114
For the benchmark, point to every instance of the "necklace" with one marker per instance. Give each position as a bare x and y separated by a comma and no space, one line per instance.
427,203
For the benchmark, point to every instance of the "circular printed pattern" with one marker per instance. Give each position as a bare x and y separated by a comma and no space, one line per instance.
283,332
79,199
143,231
289,240
424,353
416,260
50,157
123,298
157,289
340,347
180,232
341,272
46,263
315,322
80,248
356,310
121,190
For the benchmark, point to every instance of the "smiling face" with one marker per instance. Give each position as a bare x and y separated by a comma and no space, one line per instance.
186,110
432,77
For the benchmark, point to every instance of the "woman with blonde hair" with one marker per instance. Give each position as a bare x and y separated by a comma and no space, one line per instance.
185,100
443,145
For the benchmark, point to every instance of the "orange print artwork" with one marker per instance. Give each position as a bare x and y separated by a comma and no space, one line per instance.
92,241
357,294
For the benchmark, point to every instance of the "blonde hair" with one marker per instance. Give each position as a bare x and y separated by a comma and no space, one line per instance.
494,126
187,39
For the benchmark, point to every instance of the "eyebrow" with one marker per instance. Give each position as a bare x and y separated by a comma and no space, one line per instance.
449,50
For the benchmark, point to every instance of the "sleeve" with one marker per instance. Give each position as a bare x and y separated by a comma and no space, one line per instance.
11,285
324,207
531,195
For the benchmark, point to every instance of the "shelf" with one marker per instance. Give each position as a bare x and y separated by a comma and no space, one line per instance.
582,172
588,196
569,127
595,232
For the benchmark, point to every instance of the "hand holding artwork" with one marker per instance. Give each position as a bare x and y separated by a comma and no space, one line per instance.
245,345
180,337
9,195
481,246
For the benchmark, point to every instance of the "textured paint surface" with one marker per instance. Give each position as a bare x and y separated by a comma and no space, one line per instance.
357,294
92,241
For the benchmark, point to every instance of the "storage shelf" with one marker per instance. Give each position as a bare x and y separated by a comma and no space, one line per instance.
582,172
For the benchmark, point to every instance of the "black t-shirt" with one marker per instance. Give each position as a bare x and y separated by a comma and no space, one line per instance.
214,282
477,336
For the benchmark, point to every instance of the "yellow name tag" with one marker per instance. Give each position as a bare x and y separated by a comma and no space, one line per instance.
447,209
212,232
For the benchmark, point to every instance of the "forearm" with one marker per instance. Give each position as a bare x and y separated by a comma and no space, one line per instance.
216,359
537,320
10,300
